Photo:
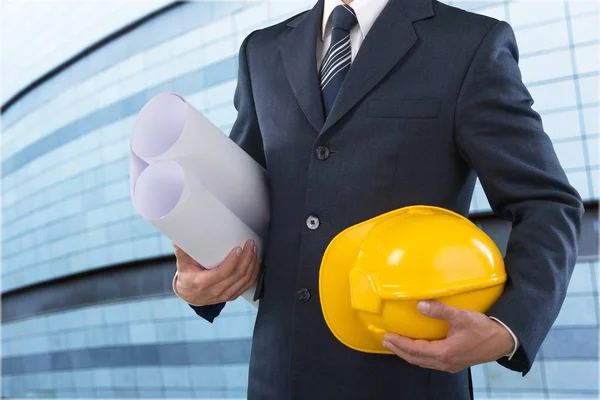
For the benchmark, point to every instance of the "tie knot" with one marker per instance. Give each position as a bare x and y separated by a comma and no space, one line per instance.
344,18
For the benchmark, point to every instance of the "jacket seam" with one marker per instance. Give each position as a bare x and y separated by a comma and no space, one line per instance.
462,84
247,62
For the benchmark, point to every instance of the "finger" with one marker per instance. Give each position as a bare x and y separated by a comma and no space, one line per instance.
410,358
254,271
184,260
417,348
243,263
437,310
232,269
248,257
237,285
226,268
435,354
431,363
181,255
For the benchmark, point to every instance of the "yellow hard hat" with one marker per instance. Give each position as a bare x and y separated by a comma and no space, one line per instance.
374,273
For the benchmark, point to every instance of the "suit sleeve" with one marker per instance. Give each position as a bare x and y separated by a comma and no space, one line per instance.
246,133
502,139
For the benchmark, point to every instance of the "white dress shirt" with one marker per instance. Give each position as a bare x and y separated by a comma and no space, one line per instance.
367,12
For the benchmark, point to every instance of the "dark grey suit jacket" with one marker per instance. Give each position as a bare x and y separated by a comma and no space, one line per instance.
433,99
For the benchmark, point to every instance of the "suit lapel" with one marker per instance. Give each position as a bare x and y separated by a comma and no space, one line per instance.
390,38
298,51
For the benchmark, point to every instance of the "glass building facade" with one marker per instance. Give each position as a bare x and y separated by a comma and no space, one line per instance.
87,307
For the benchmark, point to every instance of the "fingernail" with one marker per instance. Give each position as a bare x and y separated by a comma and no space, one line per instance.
255,249
385,344
238,251
386,338
423,306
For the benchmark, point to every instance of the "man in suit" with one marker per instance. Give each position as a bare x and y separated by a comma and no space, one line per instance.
361,108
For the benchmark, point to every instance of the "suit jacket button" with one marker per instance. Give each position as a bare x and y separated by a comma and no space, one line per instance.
303,295
312,222
322,152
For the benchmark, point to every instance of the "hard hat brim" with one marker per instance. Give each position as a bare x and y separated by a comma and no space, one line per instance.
334,290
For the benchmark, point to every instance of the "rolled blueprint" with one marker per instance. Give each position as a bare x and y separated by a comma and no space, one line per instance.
173,199
169,128
194,184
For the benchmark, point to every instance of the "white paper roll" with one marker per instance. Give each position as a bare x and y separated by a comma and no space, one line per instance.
136,167
174,201
169,128
194,184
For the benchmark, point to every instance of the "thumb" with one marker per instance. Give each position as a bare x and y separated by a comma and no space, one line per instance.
437,310
184,260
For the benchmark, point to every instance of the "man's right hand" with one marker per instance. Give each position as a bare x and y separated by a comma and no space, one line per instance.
203,287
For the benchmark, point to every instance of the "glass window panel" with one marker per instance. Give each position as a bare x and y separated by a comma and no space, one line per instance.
592,148
581,280
553,96
146,247
543,37
577,311
589,88
595,183
584,7
233,327
547,66
582,375
587,58
498,12
483,204
142,332
121,252
502,378
579,180
526,12
585,28
570,154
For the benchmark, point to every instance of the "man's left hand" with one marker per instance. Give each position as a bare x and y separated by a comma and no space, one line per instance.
473,339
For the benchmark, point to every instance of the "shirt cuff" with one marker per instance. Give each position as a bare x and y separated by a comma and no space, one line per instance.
511,354
174,286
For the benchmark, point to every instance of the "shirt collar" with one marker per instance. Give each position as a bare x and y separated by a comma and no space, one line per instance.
366,11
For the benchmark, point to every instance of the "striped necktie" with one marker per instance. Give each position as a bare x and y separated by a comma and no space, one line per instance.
338,58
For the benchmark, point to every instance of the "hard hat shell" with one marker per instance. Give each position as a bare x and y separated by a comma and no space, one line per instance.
373,274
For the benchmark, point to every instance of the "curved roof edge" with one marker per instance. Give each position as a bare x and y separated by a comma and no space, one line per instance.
85,52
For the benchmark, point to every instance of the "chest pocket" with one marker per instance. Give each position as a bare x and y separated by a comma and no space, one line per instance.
409,109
